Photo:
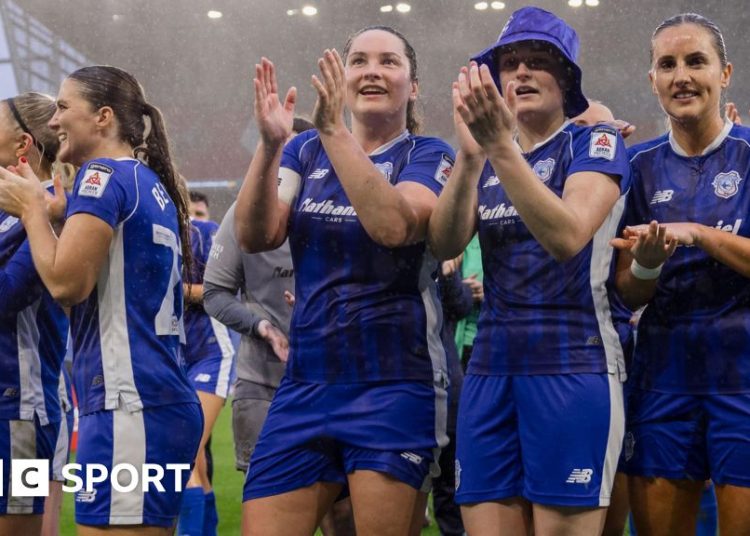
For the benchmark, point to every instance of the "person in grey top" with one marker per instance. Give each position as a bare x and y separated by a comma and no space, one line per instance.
261,315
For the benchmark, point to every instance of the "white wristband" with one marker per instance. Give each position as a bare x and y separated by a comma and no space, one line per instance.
646,274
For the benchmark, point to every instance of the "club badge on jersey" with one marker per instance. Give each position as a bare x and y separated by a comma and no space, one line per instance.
726,184
95,180
543,169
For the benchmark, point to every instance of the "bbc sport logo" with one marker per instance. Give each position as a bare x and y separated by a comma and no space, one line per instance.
30,477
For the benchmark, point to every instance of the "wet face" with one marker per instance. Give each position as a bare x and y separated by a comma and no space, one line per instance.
11,138
378,77
536,71
75,123
686,73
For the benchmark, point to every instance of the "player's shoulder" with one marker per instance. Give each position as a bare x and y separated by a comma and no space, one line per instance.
648,147
431,143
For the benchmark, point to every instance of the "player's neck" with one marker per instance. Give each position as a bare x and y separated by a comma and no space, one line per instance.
372,136
535,128
693,136
111,148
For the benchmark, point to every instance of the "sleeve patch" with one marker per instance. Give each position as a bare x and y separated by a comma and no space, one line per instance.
95,180
603,144
444,169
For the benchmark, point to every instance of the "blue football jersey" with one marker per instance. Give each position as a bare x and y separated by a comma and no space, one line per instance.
364,312
205,337
126,334
33,331
694,335
541,316
12,235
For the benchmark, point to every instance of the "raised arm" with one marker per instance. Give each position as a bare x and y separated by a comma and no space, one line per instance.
68,266
392,216
454,219
261,217
562,225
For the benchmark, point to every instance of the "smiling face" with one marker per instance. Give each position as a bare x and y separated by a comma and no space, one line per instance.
687,74
378,77
75,123
536,72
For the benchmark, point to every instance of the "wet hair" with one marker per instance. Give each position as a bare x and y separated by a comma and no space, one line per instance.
31,113
141,125
699,20
301,124
413,117
198,197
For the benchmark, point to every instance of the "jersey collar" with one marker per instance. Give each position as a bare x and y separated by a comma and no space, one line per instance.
544,142
711,146
383,148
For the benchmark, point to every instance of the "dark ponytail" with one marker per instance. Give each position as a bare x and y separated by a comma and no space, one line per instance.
157,156
141,126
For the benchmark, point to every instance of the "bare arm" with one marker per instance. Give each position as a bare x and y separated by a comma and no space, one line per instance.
260,217
69,265
454,220
727,248
392,216
650,245
563,226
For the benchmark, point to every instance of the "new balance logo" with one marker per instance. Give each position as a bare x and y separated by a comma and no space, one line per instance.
492,181
662,196
413,458
580,476
318,173
84,496
202,378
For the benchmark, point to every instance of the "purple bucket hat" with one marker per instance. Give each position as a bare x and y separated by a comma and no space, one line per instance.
535,24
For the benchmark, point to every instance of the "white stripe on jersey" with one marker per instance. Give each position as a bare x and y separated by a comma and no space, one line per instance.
30,365
62,449
614,439
128,446
434,320
22,446
227,356
117,363
601,260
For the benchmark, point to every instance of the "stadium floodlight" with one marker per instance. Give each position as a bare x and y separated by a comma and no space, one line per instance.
575,3
292,12
213,14
386,8
592,3
481,6
309,11
403,7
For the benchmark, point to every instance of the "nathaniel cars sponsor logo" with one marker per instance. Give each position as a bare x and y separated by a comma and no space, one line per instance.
496,212
330,211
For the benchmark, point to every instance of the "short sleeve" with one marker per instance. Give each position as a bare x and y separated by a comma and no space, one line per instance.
429,163
102,191
601,149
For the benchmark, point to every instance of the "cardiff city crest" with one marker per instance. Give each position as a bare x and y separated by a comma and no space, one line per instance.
386,168
726,184
543,169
